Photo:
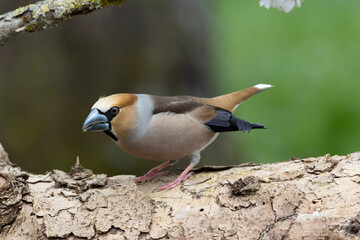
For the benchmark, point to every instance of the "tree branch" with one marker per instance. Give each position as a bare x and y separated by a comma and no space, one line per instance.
313,198
46,14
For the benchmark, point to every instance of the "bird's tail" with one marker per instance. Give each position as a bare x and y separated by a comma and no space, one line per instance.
232,100
243,125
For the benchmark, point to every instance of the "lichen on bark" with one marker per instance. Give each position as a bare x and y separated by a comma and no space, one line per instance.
45,14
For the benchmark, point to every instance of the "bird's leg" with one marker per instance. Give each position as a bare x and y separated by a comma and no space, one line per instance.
155,172
184,175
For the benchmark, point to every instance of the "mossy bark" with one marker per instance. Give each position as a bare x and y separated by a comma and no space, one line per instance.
46,14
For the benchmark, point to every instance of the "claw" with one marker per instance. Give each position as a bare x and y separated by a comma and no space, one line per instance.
150,175
175,183
153,173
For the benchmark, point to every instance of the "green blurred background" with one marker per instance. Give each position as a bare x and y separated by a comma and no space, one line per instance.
49,80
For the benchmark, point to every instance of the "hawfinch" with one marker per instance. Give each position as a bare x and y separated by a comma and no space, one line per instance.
168,128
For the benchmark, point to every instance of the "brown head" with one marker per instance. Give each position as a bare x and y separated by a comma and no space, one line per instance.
115,115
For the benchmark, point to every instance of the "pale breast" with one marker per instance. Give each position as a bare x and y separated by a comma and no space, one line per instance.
169,136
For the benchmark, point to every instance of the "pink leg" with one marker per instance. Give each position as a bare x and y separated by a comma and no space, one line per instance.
182,177
153,173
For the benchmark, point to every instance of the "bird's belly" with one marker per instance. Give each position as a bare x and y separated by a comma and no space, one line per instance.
169,138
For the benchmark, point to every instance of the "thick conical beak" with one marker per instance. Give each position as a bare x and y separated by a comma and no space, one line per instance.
96,121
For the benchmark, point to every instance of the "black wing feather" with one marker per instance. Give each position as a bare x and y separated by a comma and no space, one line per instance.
226,122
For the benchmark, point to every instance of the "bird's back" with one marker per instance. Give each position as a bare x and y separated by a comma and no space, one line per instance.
229,101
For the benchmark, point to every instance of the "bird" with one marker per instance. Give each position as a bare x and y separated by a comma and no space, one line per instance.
168,128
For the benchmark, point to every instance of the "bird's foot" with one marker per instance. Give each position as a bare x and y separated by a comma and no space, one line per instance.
150,175
173,184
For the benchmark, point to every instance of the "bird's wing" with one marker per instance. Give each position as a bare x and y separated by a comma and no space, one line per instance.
174,105
224,121
217,119
195,110
202,114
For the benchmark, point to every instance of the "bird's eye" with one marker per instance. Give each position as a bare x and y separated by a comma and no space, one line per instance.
114,111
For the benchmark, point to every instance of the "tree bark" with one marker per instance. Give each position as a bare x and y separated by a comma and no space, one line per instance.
46,14
313,198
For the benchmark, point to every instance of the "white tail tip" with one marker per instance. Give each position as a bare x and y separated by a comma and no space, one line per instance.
263,86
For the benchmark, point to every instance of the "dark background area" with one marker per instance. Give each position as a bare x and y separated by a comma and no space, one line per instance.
49,80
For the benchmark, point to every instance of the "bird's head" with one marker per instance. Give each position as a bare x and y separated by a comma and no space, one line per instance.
114,115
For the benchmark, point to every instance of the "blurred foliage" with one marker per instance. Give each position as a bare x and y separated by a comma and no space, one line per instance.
312,57
50,79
